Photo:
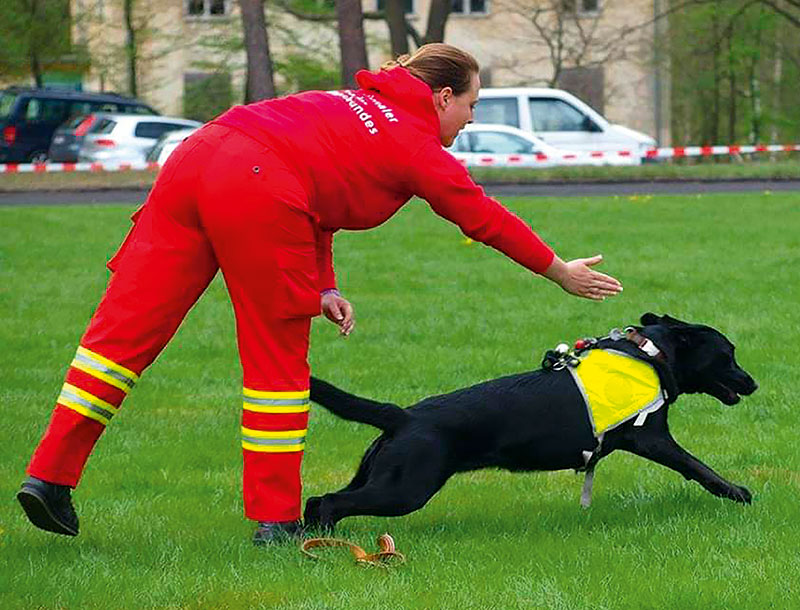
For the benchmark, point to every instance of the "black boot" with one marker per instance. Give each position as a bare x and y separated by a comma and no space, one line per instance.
48,506
269,532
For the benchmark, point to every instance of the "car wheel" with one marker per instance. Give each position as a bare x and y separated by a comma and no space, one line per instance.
38,156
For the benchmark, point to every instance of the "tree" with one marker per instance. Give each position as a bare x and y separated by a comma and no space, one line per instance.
36,34
351,40
260,82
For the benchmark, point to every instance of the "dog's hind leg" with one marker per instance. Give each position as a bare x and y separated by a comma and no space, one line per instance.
398,483
666,451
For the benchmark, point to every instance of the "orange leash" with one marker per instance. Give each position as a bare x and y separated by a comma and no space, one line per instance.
384,558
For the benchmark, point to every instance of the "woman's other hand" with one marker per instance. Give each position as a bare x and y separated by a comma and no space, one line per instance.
339,311
577,277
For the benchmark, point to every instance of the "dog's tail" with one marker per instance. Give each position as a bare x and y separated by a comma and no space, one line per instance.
384,415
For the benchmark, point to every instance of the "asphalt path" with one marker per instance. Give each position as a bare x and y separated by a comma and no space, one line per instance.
571,189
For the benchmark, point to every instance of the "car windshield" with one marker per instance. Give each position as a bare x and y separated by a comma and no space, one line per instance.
6,103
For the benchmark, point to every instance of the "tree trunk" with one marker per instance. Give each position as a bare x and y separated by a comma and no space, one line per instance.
260,84
396,20
352,46
437,20
131,50
731,93
36,64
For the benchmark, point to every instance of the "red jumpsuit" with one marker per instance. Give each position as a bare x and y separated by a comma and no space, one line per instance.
257,194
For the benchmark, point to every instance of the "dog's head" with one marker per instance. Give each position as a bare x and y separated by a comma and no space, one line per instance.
701,358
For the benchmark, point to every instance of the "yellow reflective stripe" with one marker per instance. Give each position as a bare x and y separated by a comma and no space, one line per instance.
91,398
77,364
273,448
82,410
276,395
273,433
273,441
261,401
249,406
109,363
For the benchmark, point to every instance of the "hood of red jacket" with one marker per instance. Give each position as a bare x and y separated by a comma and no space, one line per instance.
405,90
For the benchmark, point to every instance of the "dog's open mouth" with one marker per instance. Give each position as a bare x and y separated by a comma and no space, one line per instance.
725,394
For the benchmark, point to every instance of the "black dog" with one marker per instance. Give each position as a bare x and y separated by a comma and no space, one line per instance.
530,421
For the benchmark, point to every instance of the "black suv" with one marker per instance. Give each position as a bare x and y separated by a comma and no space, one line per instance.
28,117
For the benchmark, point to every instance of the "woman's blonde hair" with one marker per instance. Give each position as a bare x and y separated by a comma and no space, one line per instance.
439,65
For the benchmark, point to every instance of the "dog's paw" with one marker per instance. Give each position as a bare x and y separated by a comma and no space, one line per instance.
312,514
741,494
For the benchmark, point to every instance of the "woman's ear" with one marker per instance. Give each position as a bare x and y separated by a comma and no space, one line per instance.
443,97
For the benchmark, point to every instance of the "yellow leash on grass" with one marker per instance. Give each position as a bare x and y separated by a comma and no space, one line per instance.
384,558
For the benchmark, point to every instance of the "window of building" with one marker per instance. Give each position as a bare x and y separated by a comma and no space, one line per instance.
408,6
207,8
581,7
470,7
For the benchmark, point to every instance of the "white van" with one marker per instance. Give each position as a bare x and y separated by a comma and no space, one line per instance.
559,118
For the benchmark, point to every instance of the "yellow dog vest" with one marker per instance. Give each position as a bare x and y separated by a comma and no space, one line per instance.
616,387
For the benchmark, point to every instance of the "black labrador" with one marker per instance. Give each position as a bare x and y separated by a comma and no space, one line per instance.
525,422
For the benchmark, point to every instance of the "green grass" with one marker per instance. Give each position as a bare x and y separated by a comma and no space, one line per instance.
756,168
161,505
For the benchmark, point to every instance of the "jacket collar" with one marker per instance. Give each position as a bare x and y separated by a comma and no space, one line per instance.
404,90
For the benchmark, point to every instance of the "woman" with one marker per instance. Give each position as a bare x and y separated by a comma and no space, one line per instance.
258,194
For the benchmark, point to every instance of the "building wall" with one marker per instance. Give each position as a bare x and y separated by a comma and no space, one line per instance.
504,41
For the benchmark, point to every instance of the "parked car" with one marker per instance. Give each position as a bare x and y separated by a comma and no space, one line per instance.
126,138
167,143
512,146
28,117
560,119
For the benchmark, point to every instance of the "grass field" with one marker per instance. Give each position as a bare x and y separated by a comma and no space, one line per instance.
161,505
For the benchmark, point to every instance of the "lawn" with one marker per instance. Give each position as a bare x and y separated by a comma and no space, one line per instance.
160,502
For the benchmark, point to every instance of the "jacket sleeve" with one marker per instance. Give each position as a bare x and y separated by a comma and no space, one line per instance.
445,184
327,277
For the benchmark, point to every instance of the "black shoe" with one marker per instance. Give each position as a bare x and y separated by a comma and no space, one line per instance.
48,506
269,532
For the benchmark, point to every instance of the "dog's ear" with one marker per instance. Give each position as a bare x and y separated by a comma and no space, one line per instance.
650,319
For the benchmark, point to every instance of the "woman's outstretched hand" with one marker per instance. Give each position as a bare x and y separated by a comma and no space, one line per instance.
339,311
577,277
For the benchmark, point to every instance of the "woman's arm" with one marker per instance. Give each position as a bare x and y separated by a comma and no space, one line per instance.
449,189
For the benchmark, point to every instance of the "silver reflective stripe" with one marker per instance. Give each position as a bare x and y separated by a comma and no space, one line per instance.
275,401
274,441
85,403
98,366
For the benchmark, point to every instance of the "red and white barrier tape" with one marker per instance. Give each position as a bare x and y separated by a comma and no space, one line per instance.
676,152
578,158
48,168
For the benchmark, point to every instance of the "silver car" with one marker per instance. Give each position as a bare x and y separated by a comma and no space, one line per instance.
126,138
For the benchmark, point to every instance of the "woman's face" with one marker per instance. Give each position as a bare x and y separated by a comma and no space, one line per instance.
455,111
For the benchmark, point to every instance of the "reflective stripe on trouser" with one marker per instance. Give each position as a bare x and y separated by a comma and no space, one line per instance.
274,427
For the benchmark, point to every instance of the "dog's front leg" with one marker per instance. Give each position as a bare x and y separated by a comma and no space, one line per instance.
666,451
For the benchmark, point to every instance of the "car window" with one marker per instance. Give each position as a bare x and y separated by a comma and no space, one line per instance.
6,104
105,107
103,126
45,111
461,143
77,109
549,114
498,110
134,109
499,143
149,129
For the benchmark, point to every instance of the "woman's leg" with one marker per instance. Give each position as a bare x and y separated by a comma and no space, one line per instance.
163,267
266,251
